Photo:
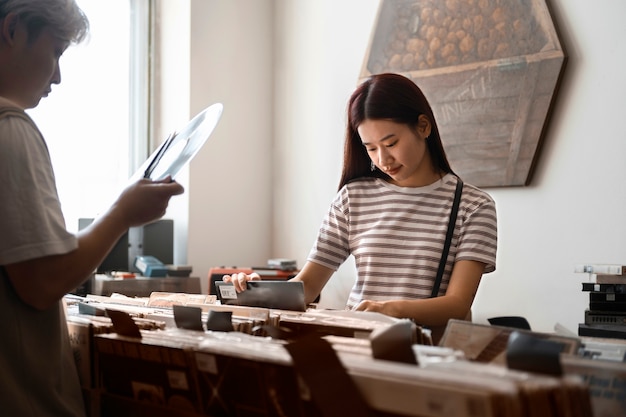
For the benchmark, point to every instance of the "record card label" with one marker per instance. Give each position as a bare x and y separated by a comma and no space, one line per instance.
177,380
228,292
206,363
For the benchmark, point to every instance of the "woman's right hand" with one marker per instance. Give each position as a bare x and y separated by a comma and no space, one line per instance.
240,280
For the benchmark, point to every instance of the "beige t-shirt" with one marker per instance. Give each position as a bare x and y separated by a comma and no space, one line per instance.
38,368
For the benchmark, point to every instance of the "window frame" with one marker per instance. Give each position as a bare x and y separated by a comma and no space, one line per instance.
141,123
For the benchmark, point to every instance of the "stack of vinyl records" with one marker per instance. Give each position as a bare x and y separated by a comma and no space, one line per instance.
185,370
598,361
224,374
606,314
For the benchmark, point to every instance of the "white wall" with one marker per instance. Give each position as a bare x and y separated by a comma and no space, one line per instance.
574,210
230,184
282,135
320,46
172,89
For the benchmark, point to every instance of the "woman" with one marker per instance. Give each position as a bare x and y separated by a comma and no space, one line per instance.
392,213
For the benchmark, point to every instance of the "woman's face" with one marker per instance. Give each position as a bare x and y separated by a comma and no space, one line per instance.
399,150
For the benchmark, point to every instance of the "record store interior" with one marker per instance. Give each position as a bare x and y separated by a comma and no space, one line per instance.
538,125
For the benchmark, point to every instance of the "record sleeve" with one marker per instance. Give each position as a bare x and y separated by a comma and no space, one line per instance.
180,147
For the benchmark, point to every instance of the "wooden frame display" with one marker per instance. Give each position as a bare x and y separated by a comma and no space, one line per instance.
490,70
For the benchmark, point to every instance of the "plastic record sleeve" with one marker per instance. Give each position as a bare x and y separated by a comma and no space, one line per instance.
179,148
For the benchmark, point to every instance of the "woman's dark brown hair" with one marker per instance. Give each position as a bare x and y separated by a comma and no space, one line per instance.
386,97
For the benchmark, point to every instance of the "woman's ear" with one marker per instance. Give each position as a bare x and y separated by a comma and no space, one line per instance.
423,125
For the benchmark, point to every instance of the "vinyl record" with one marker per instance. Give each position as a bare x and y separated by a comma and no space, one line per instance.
181,147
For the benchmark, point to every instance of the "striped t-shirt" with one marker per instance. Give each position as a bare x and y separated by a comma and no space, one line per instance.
397,234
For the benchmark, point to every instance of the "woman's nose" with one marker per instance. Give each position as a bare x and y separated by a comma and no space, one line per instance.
383,157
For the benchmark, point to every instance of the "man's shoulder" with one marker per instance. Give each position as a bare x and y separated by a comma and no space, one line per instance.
5,103
9,109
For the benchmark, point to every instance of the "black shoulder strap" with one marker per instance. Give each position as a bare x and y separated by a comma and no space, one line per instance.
446,248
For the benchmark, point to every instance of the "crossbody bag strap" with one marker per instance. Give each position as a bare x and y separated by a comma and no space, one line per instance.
449,233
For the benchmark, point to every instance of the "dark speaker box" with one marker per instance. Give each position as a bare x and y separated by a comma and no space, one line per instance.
154,239
158,240
117,259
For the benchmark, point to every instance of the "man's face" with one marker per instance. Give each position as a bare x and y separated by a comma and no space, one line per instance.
36,66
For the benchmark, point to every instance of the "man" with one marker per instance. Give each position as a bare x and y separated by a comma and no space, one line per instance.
40,261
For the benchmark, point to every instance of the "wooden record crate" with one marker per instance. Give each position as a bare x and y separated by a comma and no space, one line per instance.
490,70
159,371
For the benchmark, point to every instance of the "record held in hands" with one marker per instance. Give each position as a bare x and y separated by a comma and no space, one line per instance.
181,147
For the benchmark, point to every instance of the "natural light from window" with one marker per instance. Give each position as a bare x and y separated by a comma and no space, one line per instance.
85,120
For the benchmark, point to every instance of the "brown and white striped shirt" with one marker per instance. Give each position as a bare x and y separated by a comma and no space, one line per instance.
397,234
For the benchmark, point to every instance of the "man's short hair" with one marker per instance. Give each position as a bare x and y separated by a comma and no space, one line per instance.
65,20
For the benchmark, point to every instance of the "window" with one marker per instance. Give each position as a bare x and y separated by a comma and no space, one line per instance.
95,122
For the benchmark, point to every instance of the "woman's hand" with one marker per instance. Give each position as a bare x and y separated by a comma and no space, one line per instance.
391,308
377,306
240,280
